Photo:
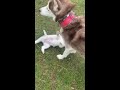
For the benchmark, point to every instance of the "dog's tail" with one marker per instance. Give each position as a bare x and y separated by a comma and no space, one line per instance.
44,32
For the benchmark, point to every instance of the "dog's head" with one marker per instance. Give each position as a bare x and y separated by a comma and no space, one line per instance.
57,9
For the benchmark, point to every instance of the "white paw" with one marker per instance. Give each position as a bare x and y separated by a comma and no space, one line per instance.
73,51
60,56
43,51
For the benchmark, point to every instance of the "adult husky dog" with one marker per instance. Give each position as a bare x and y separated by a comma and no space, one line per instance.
72,26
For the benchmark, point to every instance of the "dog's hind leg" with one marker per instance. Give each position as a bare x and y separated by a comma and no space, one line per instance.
45,46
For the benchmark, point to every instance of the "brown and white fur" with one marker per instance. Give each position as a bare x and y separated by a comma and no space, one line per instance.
74,33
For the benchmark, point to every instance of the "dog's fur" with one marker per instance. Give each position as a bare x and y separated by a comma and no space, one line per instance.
50,40
74,33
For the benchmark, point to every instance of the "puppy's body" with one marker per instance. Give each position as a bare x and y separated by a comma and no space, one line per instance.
72,27
50,40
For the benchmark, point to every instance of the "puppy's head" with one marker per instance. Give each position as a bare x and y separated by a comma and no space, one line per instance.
57,9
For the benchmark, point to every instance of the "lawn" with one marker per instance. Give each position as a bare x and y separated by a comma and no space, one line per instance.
51,73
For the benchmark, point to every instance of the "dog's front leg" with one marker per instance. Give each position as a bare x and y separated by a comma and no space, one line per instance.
65,54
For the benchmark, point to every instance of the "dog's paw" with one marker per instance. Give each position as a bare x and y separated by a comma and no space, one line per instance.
60,56
73,51
43,51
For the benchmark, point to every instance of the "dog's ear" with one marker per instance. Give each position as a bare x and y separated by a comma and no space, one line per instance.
63,9
57,5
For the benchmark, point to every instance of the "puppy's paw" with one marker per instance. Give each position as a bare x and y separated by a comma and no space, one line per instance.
60,57
43,51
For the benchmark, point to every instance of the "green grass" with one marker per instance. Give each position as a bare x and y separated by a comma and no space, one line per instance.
51,73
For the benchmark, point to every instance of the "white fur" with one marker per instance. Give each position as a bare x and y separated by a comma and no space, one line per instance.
50,40
45,11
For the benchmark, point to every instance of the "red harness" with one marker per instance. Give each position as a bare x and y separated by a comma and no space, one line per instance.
67,20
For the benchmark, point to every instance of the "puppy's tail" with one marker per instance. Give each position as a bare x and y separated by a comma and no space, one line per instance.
44,32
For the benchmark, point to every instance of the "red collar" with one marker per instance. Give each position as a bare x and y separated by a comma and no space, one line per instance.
67,20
